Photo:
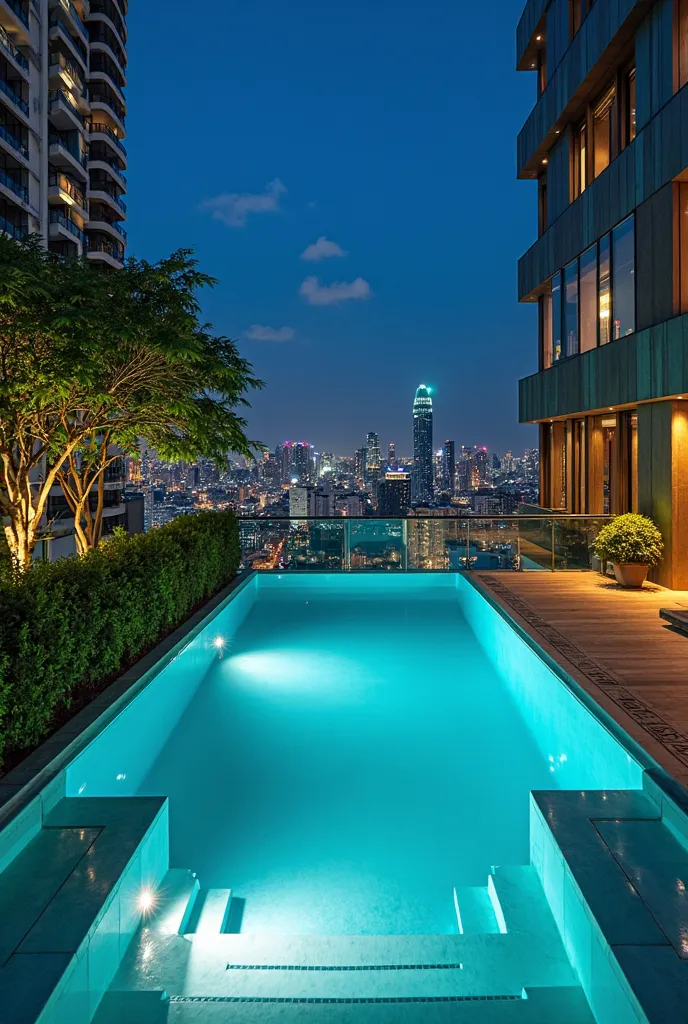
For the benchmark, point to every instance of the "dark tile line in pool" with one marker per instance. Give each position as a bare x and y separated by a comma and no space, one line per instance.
356,967
344,999
675,742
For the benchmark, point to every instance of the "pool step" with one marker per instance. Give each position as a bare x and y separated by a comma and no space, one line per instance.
537,1006
475,914
209,913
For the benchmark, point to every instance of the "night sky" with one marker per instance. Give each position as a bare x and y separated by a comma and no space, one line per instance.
346,169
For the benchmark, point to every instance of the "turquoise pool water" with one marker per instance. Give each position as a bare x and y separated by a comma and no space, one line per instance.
341,751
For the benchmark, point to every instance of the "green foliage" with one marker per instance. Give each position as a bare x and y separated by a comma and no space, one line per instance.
629,538
69,626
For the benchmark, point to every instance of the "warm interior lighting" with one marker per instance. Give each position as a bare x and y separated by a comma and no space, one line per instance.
538,39
545,160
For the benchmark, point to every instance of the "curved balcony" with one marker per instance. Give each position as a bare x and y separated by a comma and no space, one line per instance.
73,18
98,16
103,250
103,47
103,101
101,192
100,76
9,139
17,102
14,53
104,133
108,167
109,228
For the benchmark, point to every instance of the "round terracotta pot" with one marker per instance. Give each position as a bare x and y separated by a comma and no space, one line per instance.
630,574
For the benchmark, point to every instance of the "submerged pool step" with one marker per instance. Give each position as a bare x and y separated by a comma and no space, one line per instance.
475,913
210,912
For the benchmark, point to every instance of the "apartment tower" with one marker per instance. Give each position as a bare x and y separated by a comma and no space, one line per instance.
607,143
62,121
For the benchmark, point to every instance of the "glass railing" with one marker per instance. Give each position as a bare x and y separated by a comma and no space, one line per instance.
55,139
109,101
57,22
20,10
75,16
14,96
61,99
13,141
9,47
59,218
59,60
421,543
15,186
104,186
98,127
13,230
107,247
65,184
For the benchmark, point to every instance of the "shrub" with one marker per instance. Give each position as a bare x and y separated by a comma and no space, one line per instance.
68,627
629,538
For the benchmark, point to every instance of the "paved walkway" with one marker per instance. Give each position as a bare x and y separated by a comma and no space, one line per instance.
614,644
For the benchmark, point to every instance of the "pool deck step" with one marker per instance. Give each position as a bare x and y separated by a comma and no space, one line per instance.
475,913
538,1006
210,912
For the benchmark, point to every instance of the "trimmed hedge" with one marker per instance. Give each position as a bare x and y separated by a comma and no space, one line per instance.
70,626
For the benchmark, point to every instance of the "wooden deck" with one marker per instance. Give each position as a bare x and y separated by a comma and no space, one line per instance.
614,644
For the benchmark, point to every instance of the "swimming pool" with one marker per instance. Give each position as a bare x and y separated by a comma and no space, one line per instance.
343,750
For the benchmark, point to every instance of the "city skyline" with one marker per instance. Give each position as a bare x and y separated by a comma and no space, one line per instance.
353,236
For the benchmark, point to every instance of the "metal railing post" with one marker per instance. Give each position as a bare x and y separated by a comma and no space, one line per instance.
553,558
468,545
347,544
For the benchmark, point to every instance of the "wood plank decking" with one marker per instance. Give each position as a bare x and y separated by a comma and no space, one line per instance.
614,644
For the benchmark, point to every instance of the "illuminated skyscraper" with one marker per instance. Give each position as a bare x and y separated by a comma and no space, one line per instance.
449,466
422,485
394,494
391,456
373,458
360,470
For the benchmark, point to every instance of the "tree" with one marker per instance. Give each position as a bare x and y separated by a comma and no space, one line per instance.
89,361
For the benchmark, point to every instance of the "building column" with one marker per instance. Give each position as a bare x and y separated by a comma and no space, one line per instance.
663,484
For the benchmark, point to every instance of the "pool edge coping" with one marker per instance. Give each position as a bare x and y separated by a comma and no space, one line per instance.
27,780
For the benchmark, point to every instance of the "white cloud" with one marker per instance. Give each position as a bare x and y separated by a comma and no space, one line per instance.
257,332
321,250
317,294
233,208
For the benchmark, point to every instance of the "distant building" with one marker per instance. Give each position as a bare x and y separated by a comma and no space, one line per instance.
360,467
422,483
392,456
373,458
394,494
449,467
301,502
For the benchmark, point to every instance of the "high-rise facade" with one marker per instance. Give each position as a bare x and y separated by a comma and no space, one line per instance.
373,457
62,121
607,143
422,477
394,494
449,466
392,455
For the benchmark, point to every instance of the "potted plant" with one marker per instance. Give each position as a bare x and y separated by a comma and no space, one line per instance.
632,543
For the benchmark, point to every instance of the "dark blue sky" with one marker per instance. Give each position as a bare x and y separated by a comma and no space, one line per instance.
386,127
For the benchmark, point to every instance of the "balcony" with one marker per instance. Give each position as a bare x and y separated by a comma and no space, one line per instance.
103,164
14,97
97,222
13,52
13,185
99,98
13,230
63,110
72,14
105,45
110,15
102,191
59,29
104,251
59,223
62,155
102,129
65,72
64,190
16,144
19,14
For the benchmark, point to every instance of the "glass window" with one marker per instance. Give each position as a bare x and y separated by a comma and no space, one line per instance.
576,16
588,299
682,43
623,277
630,106
605,303
608,464
603,126
571,308
546,322
556,318
580,156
